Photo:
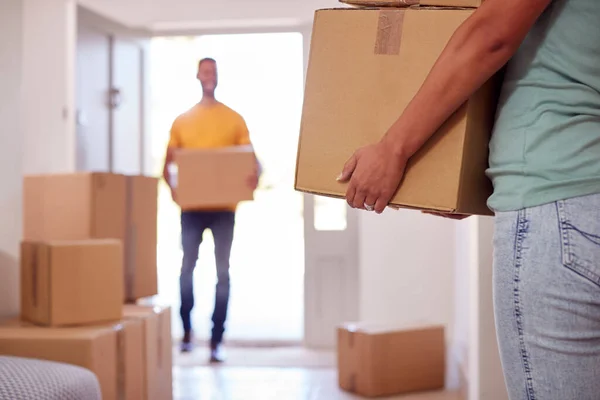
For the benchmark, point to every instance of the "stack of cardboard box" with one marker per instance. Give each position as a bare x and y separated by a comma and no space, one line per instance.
89,247
366,64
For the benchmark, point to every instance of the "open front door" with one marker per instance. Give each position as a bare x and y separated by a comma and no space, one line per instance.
331,277
331,273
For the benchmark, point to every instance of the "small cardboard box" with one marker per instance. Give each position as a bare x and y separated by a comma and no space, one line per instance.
71,282
379,360
365,67
141,278
214,178
412,3
158,356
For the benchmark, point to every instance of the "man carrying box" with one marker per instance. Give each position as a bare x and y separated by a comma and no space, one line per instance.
208,125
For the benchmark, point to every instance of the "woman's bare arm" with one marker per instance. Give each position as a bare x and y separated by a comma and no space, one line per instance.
479,48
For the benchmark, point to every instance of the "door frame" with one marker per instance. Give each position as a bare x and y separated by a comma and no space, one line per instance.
140,37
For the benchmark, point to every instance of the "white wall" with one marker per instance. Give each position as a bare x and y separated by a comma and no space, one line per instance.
10,151
49,39
36,113
407,272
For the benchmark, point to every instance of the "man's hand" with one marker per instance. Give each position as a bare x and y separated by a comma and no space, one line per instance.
252,180
374,173
174,195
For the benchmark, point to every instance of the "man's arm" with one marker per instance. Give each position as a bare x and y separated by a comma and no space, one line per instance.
243,139
169,158
174,144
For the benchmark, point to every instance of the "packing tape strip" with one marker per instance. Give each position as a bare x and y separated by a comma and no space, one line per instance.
130,241
35,271
389,32
121,352
159,347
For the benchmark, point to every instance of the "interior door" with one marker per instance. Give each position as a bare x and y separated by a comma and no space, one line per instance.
127,101
331,277
93,113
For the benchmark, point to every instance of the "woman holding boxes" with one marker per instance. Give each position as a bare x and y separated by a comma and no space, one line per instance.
545,167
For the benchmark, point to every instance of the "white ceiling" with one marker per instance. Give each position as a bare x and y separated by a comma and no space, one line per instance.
166,15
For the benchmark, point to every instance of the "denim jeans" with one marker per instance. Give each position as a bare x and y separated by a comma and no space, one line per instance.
547,299
193,225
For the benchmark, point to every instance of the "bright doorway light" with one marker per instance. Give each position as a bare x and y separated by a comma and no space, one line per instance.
261,77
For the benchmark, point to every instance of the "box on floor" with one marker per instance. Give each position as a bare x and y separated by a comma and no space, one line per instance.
98,206
379,360
114,353
210,178
72,282
366,65
157,341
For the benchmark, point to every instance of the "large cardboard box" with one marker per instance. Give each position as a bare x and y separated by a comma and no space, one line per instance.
130,349
71,282
94,350
365,66
214,178
141,239
98,206
158,356
412,3
378,360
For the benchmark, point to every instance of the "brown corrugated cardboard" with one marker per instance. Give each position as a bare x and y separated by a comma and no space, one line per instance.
412,3
94,349
71,282
158,351
141,239
98,206
365,66
120,381
74,207
214,178
383,361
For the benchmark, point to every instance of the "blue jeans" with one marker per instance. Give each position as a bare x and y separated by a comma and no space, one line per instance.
193,225
547,299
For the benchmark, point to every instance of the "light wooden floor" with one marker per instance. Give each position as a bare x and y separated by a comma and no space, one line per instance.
254,383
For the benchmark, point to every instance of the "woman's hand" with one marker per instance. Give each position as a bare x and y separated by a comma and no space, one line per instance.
373,174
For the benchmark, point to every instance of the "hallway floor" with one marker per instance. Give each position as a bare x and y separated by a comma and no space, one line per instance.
244,383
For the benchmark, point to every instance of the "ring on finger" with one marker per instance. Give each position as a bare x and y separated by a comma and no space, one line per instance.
368,207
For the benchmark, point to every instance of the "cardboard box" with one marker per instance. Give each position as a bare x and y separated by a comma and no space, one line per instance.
71,282
412,3
94,349
129,351
74,207
141,240
214,178
98,206
158,356
365,66
376,360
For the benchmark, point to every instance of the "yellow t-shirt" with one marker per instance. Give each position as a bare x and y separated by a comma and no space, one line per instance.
209,127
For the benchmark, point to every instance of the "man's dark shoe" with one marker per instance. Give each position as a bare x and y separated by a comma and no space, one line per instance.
186,343
216,354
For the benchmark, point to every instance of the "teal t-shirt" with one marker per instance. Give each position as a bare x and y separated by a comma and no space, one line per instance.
546,141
